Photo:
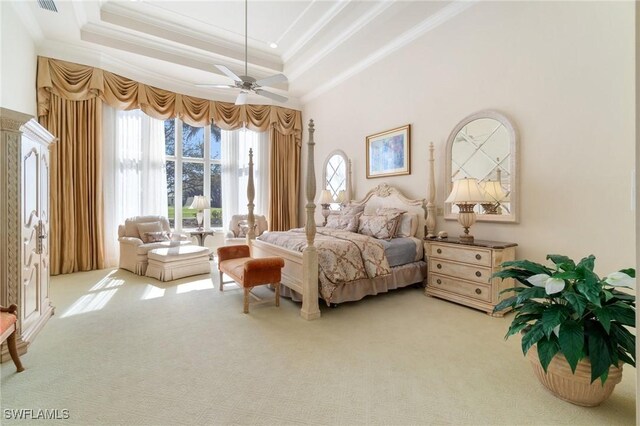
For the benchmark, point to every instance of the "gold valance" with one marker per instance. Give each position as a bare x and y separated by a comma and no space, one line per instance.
81,82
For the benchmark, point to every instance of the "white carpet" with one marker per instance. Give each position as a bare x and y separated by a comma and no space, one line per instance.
123,349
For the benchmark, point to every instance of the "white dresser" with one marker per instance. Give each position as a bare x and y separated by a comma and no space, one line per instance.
24,223
461,273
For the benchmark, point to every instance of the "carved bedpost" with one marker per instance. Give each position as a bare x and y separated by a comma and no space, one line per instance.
310,309
431,207
350,180
251,193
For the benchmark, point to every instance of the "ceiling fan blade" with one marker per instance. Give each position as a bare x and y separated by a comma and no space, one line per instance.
241,99
274,79
229,73
219,86
271,95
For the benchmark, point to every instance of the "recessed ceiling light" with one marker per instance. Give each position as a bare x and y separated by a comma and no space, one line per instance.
273,45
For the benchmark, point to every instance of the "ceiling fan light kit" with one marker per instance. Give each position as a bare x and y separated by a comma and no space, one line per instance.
246,83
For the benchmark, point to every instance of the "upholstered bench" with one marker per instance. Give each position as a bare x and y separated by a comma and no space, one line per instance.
8,321
172,263
247,272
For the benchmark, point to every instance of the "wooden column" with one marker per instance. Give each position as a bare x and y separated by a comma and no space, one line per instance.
431,207
251,194
310,308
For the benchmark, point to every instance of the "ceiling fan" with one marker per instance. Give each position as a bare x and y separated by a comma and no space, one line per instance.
245,82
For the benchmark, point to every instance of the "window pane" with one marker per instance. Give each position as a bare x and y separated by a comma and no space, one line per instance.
171,191
192,141
215,152
169,137
216,195
192,185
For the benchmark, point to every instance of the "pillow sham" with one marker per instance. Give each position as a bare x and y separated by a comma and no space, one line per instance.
344,222
379,226
156,237
352,209
407,226
144,228
243,229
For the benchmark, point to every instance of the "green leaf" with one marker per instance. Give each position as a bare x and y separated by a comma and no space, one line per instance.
562,262
532,307
531,293
590,290
624,357
623,313
552,317
532,337
567,275
599,355
519,274
527,265
571,339
630,271
587,262
604,317
515,328
607,295
506,303
547,349
620,295
577,301
625,339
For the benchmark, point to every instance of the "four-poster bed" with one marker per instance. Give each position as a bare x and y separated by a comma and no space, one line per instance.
382,266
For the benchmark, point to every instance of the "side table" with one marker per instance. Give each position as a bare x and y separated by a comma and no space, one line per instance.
200,235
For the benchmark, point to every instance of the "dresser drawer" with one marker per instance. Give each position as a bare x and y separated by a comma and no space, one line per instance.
465,272
473,255
473,290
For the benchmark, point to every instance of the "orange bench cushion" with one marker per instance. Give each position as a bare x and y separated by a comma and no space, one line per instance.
6,321
249,272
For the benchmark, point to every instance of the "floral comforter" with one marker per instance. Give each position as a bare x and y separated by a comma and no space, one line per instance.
342,256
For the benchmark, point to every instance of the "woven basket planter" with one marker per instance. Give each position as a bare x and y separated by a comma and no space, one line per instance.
574,388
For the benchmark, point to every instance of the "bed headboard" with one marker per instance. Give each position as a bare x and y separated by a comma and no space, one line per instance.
385,195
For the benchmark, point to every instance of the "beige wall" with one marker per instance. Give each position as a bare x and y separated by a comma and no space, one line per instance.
17,63
564,72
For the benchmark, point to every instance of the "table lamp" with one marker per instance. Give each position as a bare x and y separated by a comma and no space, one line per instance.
200,202
494,194
466,193
325,200
342,195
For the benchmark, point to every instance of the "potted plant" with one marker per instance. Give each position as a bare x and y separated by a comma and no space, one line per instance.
573,325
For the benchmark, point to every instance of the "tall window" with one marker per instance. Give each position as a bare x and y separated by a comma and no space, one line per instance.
193,164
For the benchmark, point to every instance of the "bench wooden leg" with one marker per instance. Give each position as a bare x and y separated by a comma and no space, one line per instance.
247,290
13,351
277,285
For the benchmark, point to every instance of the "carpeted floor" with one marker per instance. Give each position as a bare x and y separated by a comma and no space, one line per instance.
123,349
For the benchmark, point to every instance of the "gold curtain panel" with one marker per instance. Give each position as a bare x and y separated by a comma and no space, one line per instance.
70,100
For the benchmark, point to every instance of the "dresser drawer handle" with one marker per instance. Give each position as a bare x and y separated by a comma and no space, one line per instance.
478,257
439,281
478,291
439,266
439,251
478,274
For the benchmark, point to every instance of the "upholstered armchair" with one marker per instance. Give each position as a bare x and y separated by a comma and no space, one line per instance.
238,228
140,234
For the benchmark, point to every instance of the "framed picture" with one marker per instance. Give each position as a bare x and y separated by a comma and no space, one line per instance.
389,153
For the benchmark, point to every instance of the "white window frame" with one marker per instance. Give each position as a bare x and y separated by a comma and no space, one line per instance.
179,159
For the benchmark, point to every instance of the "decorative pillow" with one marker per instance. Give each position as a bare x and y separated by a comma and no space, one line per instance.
156,237
243,229
382,227
344,222
143,228
407,226
352,210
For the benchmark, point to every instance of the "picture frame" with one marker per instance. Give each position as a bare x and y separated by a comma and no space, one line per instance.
389,153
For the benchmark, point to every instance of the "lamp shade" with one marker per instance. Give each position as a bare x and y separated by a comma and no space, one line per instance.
493,190
325,197
342,195
466,191
200,202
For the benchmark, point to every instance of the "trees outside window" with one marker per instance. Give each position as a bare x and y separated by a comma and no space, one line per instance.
193,155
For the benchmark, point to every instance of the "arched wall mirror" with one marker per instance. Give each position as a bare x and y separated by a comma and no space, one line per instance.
336,178
484,146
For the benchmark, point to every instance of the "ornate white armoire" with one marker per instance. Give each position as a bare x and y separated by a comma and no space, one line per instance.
24,223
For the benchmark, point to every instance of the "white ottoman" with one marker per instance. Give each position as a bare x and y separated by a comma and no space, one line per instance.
172,263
